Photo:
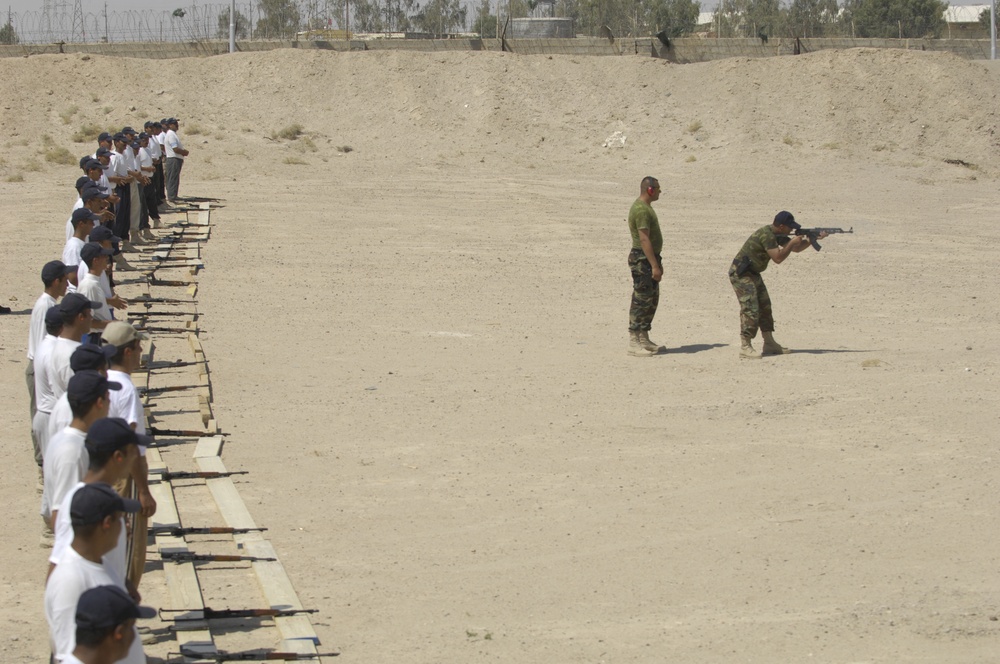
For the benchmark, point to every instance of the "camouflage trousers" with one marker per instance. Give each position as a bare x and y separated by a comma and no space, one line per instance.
755,303
645,292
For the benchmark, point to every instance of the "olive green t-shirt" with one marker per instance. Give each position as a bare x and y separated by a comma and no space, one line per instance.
641,215
756,246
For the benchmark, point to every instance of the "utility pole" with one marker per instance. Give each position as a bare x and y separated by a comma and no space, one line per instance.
993,30
232,26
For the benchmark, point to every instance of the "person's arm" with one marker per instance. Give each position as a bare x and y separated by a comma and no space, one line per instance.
182,152
796,244
140,475
647,248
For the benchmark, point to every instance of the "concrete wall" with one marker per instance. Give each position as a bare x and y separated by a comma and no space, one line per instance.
685,50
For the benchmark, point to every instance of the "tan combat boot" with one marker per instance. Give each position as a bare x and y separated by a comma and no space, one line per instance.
652,347
147,235
746,350
122,265
635,346
772,347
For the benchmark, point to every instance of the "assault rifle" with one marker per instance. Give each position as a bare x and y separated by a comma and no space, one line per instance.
211,614
179,531
203,475
169,388
191,557
251,655
813,235
184,433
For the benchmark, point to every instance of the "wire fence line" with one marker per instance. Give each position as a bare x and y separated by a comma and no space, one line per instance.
192,23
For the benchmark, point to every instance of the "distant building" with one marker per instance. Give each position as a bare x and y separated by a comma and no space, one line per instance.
963,22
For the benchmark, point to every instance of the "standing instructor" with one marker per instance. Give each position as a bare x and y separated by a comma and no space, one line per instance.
647,268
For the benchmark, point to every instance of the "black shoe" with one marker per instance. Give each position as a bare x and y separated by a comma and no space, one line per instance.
4,310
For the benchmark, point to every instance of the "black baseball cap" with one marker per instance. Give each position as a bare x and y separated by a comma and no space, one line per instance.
88,384
82,181
92,250
785,218
54,316
91,191
92,503
103,234
113,433
104,607
55,269
103,151
82,214
74,303
105,136
128,130
91,357
119,138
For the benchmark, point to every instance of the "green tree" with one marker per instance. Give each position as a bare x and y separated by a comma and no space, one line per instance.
486,23
440,16
279,20
904,19
813,18
242,25
984,20
8,35
675,17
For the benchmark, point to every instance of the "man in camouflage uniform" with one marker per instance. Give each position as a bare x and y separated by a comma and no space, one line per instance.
647,268
767,243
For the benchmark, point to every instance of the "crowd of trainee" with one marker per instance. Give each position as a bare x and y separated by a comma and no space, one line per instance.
87,428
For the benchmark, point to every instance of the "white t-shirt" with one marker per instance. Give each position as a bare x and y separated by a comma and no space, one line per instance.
69,222
114,560
60,417
126,404
70,579
71,256
118,167
145,161
155,148
90,288
66,462
59,370
36,329
83,270
45,399
171,143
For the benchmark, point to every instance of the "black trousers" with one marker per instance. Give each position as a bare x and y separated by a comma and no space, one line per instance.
122,220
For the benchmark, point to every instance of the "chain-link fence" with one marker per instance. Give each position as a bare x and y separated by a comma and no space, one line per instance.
256,19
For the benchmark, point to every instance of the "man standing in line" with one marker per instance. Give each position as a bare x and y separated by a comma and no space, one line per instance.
96,512
66,459
55,278
127,405
766,244
96,258
647,268
53,369
175,159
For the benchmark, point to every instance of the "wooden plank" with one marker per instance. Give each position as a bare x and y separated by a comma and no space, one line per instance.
227,498
297,631
208,447
166,508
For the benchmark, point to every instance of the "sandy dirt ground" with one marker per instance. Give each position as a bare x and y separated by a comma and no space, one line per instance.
419,347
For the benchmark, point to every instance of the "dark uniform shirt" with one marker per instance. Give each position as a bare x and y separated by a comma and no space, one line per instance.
641,216
756,246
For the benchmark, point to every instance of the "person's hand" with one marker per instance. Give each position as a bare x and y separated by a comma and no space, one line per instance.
113,198
657,274
107,215
148,503
800,240
823,234
133,591
118,302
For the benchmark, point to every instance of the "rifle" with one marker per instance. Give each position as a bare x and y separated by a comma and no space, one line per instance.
191,557
184,433
165,330
173,365
250,655
179,531
161,300
206,475
171,388
813,234
221,614
153,281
